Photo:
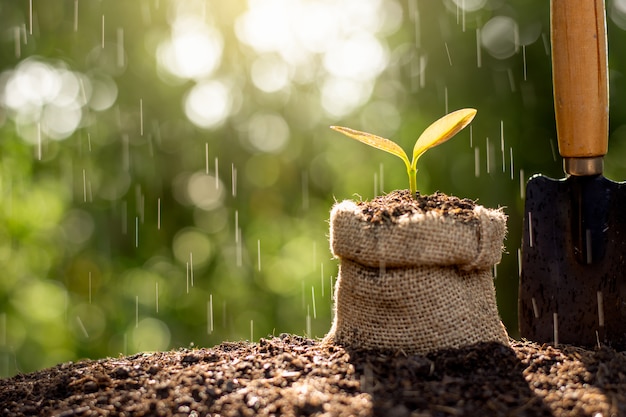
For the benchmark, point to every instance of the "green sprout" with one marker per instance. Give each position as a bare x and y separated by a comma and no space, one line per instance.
435,134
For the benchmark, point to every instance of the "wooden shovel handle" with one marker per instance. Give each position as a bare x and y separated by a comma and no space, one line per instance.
579,70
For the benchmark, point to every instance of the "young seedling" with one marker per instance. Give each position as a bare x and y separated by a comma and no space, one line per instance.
438,132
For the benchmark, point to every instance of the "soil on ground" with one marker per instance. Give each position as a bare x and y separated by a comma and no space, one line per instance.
291,375
389,207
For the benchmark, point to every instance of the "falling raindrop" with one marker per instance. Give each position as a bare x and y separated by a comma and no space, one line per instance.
75,15
448,53
224,314
141,117
530,229
422,71
511,158
519,262
217,176
524,60
600,309
39,151
509,72
308,321
82,327
142,205
588,246
18,44
124,218
258,249
522,189
150,145
546,43
553,148
239,249
322,277
477,162
463,15
125,152
191,266
206,157
375,183
414,15
305,190
488,155
30,16
84,186
120,55
479,58
136,311
210,314
535,308
136,231
555,320
251,330
502,146
159,213
233,180
102,31
138,199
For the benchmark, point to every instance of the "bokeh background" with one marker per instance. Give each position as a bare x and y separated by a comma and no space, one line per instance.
167,171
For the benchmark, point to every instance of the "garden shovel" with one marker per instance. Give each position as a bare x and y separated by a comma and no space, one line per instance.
573,277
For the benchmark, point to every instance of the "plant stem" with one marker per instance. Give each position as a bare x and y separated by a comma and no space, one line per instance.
412,181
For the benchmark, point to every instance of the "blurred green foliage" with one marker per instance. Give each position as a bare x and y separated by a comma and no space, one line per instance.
166,167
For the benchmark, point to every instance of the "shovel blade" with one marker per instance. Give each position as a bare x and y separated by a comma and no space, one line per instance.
573,276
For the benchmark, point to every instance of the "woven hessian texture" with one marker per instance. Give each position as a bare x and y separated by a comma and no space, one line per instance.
421,284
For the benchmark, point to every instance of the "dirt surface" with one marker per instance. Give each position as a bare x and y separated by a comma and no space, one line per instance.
389,207
290,375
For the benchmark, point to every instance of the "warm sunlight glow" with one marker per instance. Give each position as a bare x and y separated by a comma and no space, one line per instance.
208,104
339,37
46,99
193,51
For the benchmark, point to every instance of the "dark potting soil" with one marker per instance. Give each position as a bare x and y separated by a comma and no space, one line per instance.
389,207
291,375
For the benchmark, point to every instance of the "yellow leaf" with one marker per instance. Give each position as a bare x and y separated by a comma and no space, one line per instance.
374,141
442,130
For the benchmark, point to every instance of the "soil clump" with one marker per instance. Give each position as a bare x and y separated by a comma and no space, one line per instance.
291,375
389,207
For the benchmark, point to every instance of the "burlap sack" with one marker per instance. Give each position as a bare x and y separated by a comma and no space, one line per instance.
421,283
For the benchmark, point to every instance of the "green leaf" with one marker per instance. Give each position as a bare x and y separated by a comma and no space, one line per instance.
375,141
441,130
438,132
